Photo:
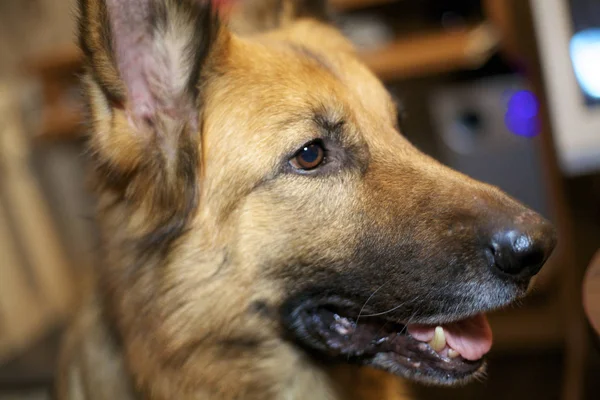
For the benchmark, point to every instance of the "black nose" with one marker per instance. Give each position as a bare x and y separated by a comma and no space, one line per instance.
521,252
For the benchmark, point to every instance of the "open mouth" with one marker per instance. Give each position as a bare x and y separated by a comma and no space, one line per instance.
445,354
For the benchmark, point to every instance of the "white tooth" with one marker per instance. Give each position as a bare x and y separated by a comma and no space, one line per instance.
438,343
453,353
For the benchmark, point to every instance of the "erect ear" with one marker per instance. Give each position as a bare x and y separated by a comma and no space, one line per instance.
147,54
255,16
147,61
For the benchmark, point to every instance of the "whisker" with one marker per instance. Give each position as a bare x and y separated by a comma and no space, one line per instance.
382,328
390,310
405,328
369,299
363,307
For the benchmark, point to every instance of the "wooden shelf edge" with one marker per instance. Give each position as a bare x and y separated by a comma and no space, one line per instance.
62,60
433,53
353,5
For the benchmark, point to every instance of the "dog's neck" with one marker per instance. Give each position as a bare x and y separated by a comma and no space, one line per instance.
97,344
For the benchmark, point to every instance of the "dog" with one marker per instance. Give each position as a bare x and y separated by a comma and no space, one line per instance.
266,231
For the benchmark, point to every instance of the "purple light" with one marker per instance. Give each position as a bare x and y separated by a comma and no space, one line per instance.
522,114
528,127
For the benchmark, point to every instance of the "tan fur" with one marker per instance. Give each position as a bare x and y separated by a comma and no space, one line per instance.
155,328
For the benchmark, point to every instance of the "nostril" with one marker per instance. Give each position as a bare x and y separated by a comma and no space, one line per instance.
528,252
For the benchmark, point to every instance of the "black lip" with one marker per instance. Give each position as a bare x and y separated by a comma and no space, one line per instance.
327,329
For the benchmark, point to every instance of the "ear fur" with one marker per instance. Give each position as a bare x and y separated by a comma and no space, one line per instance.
255,16
147,61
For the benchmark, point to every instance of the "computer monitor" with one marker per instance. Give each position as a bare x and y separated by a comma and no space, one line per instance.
568,36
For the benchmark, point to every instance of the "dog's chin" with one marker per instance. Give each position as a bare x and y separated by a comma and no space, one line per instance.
332,330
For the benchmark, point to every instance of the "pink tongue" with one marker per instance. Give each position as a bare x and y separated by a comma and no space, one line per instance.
471,337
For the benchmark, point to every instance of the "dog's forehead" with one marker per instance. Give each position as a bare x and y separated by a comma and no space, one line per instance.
272,80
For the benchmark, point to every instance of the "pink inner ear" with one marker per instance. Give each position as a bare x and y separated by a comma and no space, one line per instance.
132,42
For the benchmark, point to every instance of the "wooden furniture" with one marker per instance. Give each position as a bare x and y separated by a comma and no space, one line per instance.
36,286
433,53
591,293
58,73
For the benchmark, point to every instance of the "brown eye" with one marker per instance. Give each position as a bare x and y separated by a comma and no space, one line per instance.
309,157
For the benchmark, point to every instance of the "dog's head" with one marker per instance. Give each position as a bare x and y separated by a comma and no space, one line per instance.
256,197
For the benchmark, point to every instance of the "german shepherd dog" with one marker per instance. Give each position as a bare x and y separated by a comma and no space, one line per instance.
266,231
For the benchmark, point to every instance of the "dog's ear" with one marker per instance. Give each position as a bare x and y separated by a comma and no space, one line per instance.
147,54
255,16
147,61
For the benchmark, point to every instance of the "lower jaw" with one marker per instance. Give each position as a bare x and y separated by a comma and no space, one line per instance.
405,368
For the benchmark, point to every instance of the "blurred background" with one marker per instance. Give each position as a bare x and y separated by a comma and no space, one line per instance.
507,91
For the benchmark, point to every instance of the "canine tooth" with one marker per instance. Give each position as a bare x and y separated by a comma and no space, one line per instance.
453,353
439,339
